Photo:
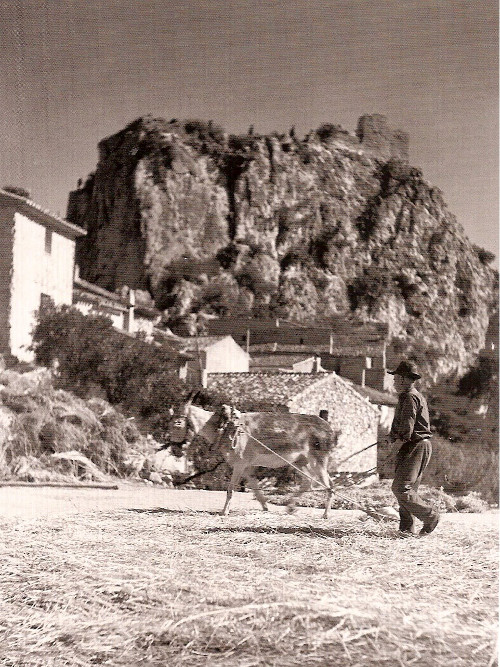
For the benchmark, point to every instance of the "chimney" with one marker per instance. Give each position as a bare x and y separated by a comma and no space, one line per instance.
129,317
76,272
317,364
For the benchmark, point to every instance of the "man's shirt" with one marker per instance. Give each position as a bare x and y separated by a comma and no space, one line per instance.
411,418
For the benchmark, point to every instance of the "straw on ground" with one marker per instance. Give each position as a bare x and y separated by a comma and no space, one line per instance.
158,587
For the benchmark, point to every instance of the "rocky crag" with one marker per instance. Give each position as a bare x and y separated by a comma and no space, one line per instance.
307,228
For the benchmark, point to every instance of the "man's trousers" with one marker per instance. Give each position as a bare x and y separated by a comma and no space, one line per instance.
411,461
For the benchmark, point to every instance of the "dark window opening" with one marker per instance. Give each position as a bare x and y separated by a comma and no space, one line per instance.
48,241
46,301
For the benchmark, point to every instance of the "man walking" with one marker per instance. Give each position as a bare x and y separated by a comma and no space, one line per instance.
410,439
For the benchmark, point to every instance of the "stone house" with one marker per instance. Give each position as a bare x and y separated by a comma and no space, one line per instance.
37,254
311,393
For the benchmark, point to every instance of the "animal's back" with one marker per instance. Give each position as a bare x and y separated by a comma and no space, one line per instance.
282,430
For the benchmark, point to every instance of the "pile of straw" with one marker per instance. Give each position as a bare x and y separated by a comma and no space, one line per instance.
38,421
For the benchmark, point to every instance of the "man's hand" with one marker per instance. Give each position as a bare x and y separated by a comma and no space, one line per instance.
394,448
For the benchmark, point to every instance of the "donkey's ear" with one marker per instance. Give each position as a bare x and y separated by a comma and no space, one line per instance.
190,396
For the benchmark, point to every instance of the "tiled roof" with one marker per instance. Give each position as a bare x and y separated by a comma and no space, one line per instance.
346,348
43,215
85,287
286,360
276,388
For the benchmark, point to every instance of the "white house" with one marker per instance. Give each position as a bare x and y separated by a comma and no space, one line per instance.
123,310
37,255
211,354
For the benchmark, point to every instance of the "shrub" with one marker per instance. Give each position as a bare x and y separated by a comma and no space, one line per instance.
77,344
89,352
458,465
327,131
368,288
478,380
485,256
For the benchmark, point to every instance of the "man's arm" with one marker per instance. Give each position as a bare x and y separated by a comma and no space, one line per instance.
394,445
403,428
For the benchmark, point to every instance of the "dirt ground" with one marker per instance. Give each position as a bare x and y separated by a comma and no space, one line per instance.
44,502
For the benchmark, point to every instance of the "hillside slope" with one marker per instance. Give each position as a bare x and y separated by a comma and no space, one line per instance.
274,225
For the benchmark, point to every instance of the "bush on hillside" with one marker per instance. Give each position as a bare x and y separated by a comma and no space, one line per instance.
457,466
478,380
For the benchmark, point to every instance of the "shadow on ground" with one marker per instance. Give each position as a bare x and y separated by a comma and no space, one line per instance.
310,531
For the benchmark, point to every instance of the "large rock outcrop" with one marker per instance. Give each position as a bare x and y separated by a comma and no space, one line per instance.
303,228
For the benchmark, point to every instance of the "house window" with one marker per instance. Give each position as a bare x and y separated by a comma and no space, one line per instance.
48,241
45,301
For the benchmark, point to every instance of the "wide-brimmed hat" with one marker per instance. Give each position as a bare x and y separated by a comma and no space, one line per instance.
407,369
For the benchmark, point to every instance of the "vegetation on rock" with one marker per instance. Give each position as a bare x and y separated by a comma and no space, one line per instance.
224,224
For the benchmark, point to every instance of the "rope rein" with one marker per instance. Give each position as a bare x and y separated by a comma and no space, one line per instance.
372,511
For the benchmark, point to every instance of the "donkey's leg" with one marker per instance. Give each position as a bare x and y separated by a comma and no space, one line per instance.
323,475
236,476
253,483
305,485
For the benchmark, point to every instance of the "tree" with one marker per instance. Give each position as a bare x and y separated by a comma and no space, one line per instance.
478,381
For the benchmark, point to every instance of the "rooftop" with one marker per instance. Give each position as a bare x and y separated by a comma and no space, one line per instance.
41,215
195,343
275,388
91,292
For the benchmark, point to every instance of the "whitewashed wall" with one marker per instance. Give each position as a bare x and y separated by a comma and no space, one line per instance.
36,272
226,356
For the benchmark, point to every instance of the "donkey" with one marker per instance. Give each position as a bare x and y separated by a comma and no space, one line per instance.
306,441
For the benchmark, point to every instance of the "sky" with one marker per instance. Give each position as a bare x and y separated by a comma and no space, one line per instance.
73,72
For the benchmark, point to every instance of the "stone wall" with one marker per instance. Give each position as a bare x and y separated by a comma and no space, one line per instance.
349,412
375,135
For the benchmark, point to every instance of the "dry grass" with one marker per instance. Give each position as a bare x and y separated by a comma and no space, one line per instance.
156,587
377,495
37,420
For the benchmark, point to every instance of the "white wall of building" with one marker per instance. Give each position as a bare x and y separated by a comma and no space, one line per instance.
226,356
40,266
